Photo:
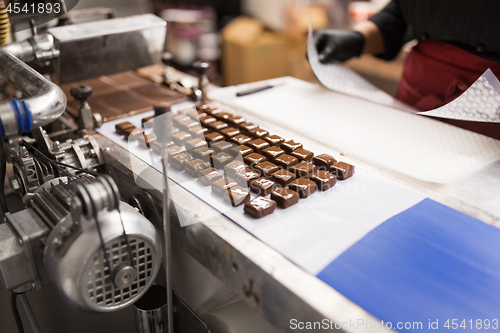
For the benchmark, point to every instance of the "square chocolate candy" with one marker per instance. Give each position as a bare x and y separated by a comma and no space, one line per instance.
236,120
342,170
177,119
198,131
132,133
178,161
262,186
324,161
324,180
214,137
258,145
187,124
174,150
217,125
258,133
223,115
181,137
193,167
203,153
283,177
302,154
237,196
241,139
221,160
208,176
304,187
235,167
247,127
229,132
221,146
148,122
286,161
274,140
290,146
221,186
241,150
253,159
205,121
272,152
157,146
195,143
121,127
303,169
285,197
146,140
244,178
266,168
260,207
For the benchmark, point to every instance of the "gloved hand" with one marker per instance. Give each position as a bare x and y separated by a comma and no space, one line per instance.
338,45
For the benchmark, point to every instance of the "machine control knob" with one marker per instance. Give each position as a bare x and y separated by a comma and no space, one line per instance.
81,93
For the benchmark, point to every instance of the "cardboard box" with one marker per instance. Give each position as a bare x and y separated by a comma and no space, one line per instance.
251,53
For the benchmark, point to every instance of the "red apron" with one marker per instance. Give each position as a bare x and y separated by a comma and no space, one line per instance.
437,72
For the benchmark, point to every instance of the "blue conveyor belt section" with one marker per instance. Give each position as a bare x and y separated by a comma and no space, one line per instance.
429,262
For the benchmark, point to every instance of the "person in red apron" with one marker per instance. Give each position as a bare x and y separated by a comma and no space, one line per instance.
457,42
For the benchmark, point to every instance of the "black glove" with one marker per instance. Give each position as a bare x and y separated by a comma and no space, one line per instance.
338,45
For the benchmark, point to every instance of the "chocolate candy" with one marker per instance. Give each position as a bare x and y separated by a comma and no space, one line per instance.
132,133
290,146
324,161
258,133
237,196
195,143
148,122
223,115
240,139
266,168
121,127
180,118
258,145
304,187
179,160
302,154
283,177
244,178
253,159
193,167
188,124
260,207
208,176
221,186
272,152
342,170
285,161
203,153
221,146
303,169
234,167
247,127
199,115
235,120
202,106
285,197
274,140
181,137
205,121
157,146
146,140
324,180
213,111
214,137
222,159
217,125
262,186
174,150
229,132
241,151
198,131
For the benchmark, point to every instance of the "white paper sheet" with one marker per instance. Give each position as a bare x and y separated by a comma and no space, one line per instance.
317,229
417,146
480,102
